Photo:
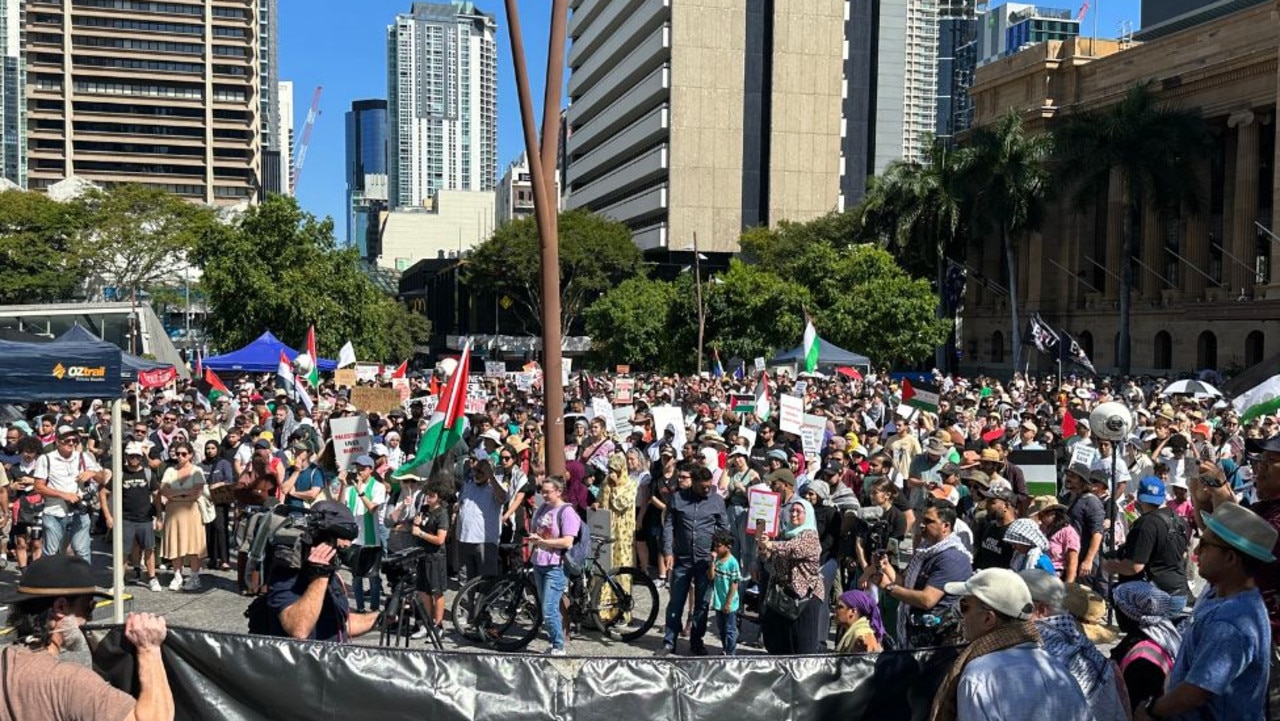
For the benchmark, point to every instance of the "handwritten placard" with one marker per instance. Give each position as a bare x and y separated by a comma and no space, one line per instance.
763,507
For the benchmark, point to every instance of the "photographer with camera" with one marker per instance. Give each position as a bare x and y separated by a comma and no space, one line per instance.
306,599
66,477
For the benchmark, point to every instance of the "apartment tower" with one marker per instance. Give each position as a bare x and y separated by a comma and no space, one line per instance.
165,94
442,101
704,117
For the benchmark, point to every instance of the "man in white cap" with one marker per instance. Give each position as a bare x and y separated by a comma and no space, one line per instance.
1004,673
1223,664
62,475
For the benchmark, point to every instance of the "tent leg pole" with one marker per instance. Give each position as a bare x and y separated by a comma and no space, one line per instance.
117,512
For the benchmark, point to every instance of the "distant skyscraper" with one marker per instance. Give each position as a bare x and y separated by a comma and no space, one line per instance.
285,134
1006,29
957,59
366,169
13,122
274,165
442,103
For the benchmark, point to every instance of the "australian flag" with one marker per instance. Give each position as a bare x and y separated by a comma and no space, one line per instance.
1044,337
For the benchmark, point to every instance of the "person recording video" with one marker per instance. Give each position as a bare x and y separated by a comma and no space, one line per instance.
305,597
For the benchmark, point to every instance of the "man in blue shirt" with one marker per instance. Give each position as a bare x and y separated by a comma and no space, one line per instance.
1222,667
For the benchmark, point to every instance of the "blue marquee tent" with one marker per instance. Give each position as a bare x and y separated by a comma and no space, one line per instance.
129,364
57,372
829,356
260,356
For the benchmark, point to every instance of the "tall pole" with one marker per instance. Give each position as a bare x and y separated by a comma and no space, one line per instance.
702,308
542,166
117,510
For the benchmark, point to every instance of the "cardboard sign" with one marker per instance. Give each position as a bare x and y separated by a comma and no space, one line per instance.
759,365
624,391
494,369
811,434
346,377
375,400
524,381
366,372
351,437
791,417
623,370
1040,470
622,420
763,506
401,386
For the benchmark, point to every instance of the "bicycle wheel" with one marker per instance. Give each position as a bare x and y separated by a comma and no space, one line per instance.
626,602
464,605
509,616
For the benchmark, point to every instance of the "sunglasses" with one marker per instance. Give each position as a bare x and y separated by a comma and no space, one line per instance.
506,458
67,441
180,454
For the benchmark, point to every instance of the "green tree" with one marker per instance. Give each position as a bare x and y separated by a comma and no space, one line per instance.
1154,147
1005,172
596,254
631,324
406,330
277,269
137,235
752,311
38,254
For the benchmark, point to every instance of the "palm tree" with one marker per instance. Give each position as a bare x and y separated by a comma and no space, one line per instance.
1154,147
916,211
1004,172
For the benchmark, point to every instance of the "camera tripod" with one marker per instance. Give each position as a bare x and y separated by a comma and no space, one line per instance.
405,606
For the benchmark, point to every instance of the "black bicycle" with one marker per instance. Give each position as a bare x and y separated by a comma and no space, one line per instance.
506,613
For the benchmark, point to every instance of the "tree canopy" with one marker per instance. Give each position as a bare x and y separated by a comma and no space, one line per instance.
39,259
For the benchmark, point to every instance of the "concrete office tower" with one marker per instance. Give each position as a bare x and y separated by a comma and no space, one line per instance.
284,96
704,116
13,126
366,170
161,94
442,101
274,167
1005,29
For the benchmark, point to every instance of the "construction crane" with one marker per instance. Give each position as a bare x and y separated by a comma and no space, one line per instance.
300,152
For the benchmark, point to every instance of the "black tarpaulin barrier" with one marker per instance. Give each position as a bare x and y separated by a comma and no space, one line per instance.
235,677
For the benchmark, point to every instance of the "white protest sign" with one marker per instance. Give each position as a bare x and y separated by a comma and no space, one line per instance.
494,369
811,434
668,415
351,438
763,507
367,371
1083,456
524,381
791,417
624,390
748,437
475,405
800,388
622,420
759,365
402,385
601,408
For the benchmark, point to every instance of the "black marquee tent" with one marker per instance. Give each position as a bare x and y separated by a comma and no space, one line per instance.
129,364
57,372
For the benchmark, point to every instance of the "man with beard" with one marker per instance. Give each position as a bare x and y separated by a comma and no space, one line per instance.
693,516
54,598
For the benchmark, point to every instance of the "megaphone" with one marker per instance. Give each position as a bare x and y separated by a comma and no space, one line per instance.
1111,421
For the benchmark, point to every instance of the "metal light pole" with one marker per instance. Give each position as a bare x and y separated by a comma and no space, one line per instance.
702,307
542,166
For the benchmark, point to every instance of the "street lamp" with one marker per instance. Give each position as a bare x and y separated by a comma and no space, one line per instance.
702,306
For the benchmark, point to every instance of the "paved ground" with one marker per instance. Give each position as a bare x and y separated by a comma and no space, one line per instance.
219,607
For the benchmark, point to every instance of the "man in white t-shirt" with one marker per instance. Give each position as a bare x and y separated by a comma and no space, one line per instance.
62,476
365,495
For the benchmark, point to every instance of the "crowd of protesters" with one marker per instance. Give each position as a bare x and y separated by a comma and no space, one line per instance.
903,528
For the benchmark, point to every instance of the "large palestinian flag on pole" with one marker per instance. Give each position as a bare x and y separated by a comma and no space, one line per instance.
444,430
810,345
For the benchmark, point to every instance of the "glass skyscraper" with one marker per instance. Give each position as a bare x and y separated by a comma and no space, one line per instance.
366,169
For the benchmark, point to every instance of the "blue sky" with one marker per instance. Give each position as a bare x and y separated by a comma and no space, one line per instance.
341,45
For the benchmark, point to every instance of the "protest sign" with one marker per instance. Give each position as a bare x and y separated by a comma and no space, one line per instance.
401,386
158,378
475,405
1083,456
346,377
351,438
763,507
748,437
800,388
623,370
524,381
600,407
759,364
375,400
791,418
429,404
494,369
664,416
367,372
623,391
811,433
622,420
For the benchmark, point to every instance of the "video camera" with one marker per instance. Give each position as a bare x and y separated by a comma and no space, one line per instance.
403,564
289,533
876,534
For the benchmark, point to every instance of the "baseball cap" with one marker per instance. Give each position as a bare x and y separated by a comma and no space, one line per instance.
64,431
262,443
54,576
777,454
378,449
364,460
1000,589
1151,490
134,448
999,488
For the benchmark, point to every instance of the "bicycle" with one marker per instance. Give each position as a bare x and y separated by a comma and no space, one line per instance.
508,616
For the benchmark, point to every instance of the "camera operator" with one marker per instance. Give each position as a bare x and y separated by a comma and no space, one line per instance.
309,601
63,476
54,598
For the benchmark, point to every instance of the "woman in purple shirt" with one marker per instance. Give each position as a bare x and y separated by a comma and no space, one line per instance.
552,531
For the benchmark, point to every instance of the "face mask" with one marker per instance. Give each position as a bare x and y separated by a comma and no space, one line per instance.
73,640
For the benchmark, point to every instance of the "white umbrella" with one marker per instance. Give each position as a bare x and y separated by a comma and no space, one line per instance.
1200,389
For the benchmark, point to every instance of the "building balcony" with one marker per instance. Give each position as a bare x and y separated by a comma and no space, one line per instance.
643,133
597,84
643,97
616,29
637,173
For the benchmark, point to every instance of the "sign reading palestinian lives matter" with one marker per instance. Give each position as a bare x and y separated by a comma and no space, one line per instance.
791,417
375,400
495,369
351,438
346,377
811,434
763,508
622,420
623,390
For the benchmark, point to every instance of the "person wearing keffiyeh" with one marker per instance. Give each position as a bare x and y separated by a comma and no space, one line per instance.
1151,640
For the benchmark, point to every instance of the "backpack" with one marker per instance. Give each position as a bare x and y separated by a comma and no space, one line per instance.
574,559
30,509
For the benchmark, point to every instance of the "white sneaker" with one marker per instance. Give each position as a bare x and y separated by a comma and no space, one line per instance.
420,634
176,583
155,585
193,583
555,652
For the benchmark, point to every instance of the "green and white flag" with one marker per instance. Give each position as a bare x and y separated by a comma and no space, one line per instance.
444,430
810,345
1260,400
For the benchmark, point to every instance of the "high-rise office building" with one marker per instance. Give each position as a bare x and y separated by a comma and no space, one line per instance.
274,166
13,126
284,95
163,94
957,62
442,101
366,169
704,117
1165,17
1005,29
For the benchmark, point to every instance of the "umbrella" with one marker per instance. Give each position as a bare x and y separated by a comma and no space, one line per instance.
849,373
1190,388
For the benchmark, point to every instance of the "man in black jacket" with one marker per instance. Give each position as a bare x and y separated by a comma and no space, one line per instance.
693,515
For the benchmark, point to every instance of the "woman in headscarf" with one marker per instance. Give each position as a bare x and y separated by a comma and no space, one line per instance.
858,617
576,492
1146,653
794,617
1030,547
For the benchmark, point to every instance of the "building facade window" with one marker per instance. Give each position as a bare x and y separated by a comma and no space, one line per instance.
1162,355
1207,351
1254,346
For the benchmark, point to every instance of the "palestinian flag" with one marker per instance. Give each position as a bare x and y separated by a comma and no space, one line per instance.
286,380
214,387
400,370
810,345
743,403
764,402
922,396
313,378
1260,400
444,430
